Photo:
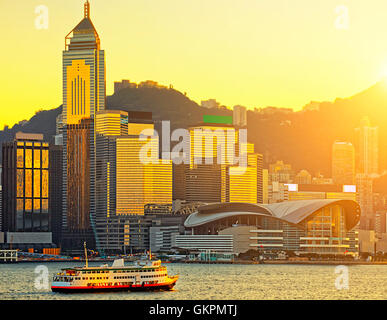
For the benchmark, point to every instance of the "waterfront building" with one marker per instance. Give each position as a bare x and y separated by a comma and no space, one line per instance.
161,237
204,242
84,90
343,163
26,215
323,226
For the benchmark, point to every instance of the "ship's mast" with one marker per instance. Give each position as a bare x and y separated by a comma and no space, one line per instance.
84,244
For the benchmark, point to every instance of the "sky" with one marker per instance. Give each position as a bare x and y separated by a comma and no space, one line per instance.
256,53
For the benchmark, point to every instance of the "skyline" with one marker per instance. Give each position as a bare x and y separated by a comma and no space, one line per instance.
302,56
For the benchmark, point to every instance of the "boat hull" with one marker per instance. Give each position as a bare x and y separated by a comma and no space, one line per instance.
134,287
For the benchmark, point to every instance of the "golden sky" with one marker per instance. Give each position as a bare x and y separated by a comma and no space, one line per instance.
255,53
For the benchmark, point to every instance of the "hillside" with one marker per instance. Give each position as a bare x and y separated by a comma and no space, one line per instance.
303,139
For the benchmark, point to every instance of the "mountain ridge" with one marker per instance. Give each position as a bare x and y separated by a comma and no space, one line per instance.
279,134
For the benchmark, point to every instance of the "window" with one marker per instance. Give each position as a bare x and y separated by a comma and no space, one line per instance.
28,158
20,158
36,158
37,184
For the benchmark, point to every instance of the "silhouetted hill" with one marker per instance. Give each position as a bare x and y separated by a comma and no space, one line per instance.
303,139
165,104
41,122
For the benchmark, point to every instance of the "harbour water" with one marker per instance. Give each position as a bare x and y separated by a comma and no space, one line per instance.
215,282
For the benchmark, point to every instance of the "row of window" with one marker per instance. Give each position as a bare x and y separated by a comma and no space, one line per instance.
124,271
118,277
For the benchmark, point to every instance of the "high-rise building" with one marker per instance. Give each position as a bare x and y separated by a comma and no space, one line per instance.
129,177
343,163
265,186
112,122
242,184
84,90
212,143
240,116
255,160
56,191
139,183
25,197
217,171
364,184
26,185
367,148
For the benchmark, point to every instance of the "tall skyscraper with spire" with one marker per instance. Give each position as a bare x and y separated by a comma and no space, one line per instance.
84,95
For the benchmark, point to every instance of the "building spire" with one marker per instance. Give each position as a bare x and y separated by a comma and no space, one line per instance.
87,9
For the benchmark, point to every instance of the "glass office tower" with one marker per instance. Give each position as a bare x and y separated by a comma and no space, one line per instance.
25,182
83,96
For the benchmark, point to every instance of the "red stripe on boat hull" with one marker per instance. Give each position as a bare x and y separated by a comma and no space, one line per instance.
134,287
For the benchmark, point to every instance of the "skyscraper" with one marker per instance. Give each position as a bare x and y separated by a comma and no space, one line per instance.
343,163
125,182
25,180
83,96
367,148
26,185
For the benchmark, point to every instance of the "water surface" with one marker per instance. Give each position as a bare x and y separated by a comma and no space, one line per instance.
220,282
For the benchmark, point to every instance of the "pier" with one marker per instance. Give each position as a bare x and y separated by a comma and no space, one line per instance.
8,256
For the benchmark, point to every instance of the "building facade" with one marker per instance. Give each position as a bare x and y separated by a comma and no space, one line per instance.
240,116
367,148
343,163
26,218
312,226
84,90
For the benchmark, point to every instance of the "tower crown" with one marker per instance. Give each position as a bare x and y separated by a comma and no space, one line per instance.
83,36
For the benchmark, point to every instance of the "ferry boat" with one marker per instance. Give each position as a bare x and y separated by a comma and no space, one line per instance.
142,275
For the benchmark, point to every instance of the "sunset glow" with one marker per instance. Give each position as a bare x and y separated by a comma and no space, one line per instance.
249,52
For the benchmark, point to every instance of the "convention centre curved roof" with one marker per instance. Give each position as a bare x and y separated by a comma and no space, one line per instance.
293,212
